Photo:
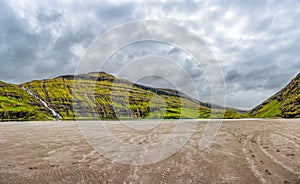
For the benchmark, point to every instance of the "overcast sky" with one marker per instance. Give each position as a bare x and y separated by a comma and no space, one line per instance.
257,43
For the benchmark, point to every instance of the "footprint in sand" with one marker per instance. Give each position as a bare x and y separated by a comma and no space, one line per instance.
32,168
268,172
290,154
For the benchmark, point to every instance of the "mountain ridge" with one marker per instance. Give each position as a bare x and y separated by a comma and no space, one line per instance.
58,93
132,100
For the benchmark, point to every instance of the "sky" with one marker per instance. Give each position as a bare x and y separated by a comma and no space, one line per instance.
256,43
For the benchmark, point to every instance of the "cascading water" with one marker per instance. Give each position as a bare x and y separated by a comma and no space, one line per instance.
55,114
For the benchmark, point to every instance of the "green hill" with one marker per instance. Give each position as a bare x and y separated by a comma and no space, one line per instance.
99,95
16,104
285,103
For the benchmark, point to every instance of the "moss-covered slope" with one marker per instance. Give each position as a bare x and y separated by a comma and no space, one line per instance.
16,104
285,103
100,95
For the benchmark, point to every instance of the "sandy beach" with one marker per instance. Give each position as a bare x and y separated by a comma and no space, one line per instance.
244,151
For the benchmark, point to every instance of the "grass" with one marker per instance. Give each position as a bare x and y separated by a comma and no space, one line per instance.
16,104
286,103
270,110
105,98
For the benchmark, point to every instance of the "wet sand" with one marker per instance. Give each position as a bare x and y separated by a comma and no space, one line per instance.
244,151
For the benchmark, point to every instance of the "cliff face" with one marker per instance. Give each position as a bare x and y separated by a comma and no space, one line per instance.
285,103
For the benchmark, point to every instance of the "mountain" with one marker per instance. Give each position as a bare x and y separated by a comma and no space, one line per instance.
17,104
98,95
285,103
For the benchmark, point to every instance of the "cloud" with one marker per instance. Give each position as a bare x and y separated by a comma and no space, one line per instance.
256,42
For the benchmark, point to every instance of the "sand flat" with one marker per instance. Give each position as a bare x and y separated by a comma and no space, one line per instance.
244,151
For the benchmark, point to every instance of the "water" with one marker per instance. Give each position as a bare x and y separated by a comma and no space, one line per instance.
53,112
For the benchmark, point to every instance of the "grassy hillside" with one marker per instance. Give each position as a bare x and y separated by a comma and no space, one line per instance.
285,103
16,104
113,98
99,95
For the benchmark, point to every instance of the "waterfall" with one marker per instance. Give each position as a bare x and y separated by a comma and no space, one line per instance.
55,114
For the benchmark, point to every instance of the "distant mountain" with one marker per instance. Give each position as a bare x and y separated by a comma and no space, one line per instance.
285,103
109,98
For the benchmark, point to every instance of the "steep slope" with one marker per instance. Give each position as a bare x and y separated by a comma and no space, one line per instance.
100,95
17,104
285,103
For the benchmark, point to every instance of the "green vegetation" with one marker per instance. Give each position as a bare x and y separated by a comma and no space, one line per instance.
16,104
270,110
100,95
285,103
231,114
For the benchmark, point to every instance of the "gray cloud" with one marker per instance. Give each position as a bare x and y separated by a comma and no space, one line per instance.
142,58
255,42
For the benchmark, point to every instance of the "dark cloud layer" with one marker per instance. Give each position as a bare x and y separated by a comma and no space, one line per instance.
255,42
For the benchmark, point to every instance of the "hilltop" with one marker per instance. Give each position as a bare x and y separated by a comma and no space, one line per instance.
99,95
